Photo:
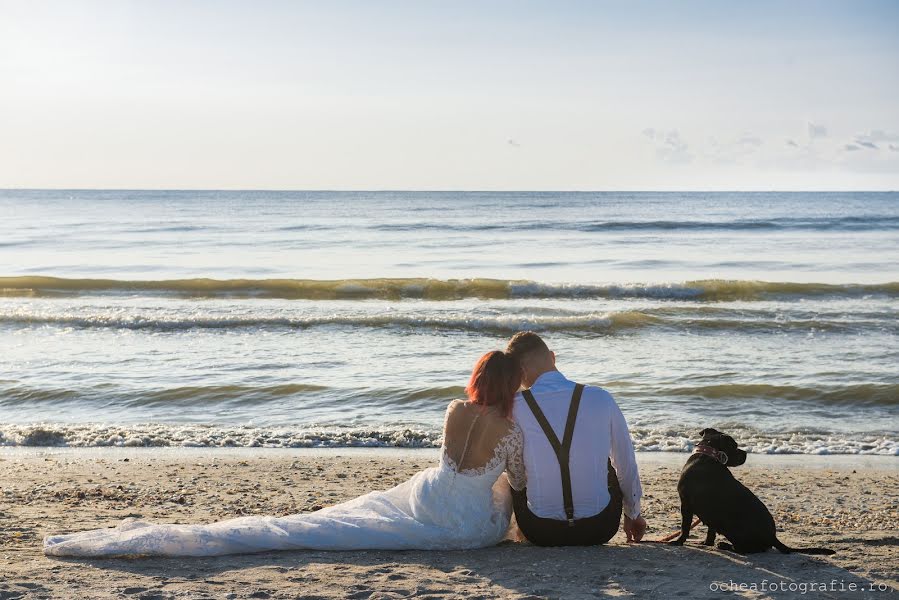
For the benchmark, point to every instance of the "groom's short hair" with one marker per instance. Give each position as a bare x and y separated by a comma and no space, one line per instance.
525,344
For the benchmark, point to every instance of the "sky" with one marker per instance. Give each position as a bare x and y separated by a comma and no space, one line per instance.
484,95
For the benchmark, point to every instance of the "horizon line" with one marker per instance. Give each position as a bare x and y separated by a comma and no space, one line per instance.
443,190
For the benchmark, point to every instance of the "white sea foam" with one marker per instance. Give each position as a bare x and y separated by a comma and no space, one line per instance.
157,435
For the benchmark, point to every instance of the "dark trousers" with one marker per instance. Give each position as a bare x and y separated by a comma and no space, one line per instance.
589,531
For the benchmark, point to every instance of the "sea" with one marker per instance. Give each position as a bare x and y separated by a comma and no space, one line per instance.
337,319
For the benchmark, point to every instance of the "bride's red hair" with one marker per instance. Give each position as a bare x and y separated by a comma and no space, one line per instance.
495,379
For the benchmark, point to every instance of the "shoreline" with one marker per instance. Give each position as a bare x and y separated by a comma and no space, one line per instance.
874,462
849,503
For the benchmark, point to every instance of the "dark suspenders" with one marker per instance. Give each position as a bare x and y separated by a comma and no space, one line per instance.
562,449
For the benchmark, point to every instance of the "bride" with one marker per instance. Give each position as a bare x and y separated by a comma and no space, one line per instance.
462,503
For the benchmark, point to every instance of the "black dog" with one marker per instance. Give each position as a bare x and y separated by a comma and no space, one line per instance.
709,490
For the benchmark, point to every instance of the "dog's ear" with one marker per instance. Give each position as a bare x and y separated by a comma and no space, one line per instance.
736,458
708,431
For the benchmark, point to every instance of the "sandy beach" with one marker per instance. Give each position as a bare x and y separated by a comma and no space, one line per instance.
848,503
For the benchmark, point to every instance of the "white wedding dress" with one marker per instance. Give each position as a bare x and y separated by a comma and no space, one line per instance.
440,508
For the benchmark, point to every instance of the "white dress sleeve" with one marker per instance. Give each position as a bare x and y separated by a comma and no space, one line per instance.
513,447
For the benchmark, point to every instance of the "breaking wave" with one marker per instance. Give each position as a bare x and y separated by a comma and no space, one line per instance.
248,396
596,322
434,289
645,439
861,394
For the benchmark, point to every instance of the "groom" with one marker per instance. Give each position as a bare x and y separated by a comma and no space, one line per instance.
576,451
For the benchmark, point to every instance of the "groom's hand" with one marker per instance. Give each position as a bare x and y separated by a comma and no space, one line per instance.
634,528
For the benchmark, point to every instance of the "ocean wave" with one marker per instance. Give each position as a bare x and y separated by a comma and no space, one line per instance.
247,397
705,290
596,322
645,439
603,323
195,395
152,435
884,394
235,396
436,289
867,223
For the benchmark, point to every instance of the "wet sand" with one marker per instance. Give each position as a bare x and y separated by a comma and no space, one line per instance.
850,504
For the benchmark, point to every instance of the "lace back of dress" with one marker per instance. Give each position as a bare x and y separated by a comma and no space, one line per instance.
477,434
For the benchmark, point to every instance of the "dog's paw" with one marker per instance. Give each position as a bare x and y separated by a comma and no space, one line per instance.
725,546
676,542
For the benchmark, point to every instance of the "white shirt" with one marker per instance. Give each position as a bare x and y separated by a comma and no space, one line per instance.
600,433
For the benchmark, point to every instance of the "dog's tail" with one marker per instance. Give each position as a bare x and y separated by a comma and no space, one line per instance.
786,549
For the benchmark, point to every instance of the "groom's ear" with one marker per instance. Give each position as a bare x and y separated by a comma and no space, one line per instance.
554,357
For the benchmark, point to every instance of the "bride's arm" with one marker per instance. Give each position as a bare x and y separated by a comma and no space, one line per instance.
514,443
446,418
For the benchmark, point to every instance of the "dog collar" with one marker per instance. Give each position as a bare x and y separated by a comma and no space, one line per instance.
718,455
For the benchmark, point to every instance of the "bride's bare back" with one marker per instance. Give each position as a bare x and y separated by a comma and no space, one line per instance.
476,437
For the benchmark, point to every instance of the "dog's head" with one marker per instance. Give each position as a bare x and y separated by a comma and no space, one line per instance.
723,443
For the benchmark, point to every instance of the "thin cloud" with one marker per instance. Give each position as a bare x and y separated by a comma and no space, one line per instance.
873,150
877,136
816,130
869,140
670,146
750,141
733,152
